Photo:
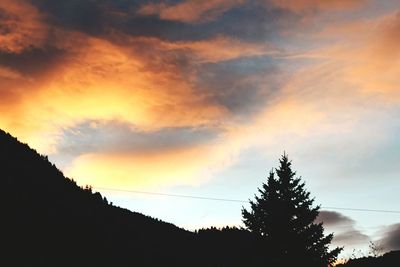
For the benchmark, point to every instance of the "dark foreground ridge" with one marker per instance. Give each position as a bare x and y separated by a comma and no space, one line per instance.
47,220
390,259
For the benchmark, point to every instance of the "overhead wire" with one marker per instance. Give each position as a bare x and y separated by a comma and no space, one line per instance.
235,200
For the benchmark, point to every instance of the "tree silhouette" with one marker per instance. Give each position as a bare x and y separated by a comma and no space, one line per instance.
283,217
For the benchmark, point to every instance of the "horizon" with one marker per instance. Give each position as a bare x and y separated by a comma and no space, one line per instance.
192,103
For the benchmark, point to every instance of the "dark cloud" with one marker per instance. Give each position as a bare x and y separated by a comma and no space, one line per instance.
344,228
88,16
33,61
333,218
253,21
391,238
351,237
24,71
99,17
118,137
240,85
312,6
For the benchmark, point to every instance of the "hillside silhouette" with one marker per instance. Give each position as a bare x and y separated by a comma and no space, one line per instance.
48,220
389,259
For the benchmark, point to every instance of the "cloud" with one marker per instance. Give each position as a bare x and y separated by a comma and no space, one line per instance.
12,81
144,170
391,238
243,85
190,11
311,5
88,16
118,137
258,22
333,218
146,82
113,82
220,48
34,62
364,48
344,227
8,73
351,237
154,160
21,26
381,53
158,167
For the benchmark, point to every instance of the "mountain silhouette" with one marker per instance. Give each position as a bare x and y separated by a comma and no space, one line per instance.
48,220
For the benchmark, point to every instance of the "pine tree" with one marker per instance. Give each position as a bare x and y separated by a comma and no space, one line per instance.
283,216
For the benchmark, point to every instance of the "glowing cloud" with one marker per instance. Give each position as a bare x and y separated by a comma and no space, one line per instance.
102,81
220,48
21,26
190,11
307,5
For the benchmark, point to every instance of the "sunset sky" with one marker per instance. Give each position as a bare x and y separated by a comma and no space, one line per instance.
201,98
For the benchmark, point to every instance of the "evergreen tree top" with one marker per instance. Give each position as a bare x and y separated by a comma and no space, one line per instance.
284,216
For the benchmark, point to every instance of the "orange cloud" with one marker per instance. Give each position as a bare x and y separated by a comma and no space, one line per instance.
8,73
138,82
306,5
140,171
368,55
21,26
378,65
194,165
141,87
103,81
220,48
284,122
190,10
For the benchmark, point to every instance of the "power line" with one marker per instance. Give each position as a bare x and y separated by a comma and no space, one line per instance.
234,200
172,195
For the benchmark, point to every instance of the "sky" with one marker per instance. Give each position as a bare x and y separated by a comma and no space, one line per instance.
202,98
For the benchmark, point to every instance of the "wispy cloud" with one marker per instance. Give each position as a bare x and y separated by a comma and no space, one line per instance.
346,232
22,26
315,5
391,238
191,11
